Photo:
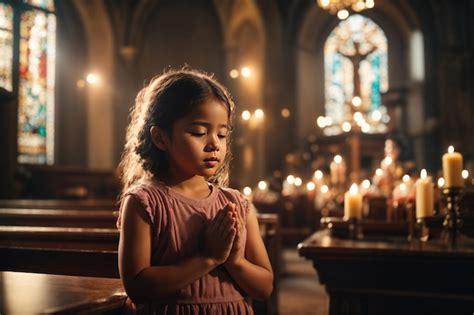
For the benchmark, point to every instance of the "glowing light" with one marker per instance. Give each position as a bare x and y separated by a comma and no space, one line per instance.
354,189
440,182
359,6
388,160
321,121
465,174
406,178
298,181
258,113
346,126
423,174
246,115
356,101
338,159
328,121
324,3
310,186
358,116
324,189
290,179
369,4
376,115
246,72
234,73
285,113
92,78
262,185
365,128
379,172
343,14
366,184
403,187
450,149
318,175
247,191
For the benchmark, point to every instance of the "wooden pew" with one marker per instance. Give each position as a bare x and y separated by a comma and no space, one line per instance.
59,237
90,251
30,293
61,261
63,204
58,217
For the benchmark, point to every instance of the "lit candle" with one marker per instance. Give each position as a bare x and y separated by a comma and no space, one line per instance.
452,169
424,196
352,203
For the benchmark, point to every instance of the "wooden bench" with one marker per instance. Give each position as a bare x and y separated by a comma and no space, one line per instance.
58,217
62,204
34,293
59,237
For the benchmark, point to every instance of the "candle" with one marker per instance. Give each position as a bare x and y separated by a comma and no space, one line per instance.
424,196
352,203
452,169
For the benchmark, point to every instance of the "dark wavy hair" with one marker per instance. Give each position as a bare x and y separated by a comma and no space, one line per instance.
167,98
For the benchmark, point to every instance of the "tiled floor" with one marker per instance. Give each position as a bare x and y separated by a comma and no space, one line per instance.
300,291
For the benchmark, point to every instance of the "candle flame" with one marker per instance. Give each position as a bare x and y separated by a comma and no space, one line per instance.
318,174
354,189
290,179
388,160
324,189
423,174
262,185
403,187
406,178
298,181
465,174
440,182
247,191
366,183
379,172
310,186
450,149
338,159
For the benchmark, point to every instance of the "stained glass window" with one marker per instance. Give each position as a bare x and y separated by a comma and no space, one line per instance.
6,46
356,42
44,4
28,32
36,87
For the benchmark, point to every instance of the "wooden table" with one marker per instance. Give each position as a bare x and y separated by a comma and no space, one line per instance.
392,275
33,293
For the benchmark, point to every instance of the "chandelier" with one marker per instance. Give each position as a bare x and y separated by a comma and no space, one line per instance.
342,7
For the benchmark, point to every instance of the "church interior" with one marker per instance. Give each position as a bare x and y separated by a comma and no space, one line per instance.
350,137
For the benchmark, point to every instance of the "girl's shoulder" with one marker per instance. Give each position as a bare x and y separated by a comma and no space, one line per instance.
150,194
235,196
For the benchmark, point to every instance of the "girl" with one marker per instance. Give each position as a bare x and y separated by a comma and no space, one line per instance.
187,244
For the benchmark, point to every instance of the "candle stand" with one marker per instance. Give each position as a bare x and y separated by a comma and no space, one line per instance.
452,222
354,229
422,230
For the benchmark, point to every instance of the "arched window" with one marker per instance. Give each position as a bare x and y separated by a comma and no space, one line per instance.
27,68
356,72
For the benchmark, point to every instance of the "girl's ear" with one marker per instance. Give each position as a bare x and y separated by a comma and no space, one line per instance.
159,137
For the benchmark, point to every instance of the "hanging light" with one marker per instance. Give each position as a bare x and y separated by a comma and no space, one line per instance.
341,8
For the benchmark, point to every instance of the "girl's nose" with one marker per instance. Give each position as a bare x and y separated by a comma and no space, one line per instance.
213,144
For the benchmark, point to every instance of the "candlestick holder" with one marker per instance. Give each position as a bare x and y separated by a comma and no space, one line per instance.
422,230
354,229
453,221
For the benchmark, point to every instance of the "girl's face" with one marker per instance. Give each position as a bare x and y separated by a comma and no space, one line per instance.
198,144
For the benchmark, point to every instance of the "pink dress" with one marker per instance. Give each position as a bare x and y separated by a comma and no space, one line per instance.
179,223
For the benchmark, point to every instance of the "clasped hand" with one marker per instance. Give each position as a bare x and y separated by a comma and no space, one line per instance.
224,237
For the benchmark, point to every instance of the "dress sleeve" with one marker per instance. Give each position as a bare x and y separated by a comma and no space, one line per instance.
145,198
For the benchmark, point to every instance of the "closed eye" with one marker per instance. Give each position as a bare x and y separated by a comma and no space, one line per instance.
198,134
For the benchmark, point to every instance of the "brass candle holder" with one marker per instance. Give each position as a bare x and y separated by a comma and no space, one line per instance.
354,229
453,221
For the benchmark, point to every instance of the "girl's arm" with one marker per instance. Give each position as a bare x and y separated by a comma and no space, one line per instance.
143,282
252,271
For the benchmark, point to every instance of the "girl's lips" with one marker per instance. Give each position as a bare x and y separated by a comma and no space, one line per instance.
211,163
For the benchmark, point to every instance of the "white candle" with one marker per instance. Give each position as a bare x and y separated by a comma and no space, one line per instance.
424,196
452,169
352,203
